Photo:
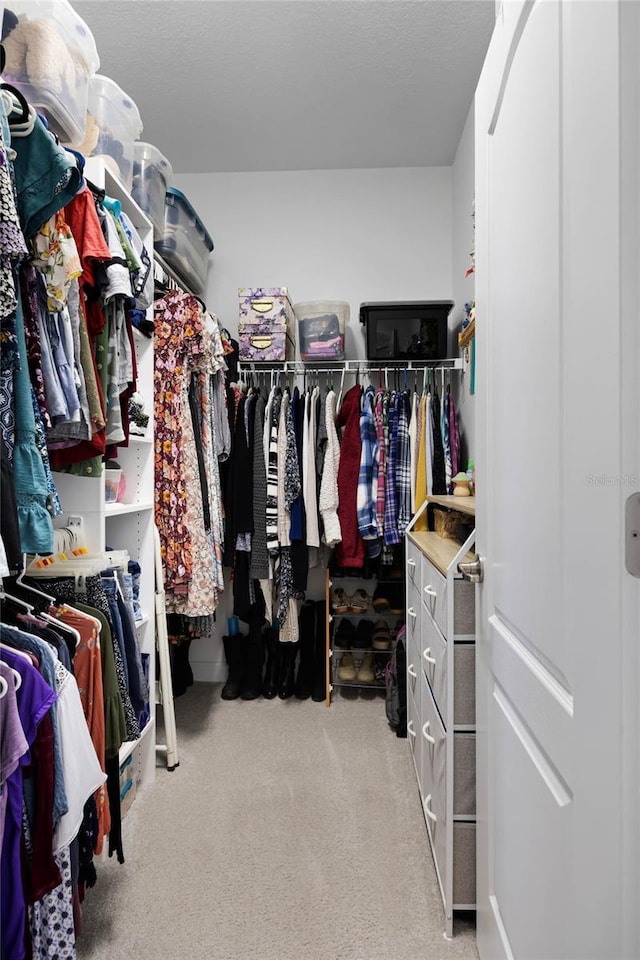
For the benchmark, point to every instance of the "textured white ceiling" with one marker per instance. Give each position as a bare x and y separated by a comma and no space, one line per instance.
235,85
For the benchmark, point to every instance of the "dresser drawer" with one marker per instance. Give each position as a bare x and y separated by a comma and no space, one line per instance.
414,616
413,730
435,668
414,565
463,859
434,764
434,594
433,740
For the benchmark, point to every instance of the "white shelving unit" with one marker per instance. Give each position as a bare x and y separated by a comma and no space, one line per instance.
128,525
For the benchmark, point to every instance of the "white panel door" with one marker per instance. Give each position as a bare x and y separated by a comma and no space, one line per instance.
557,459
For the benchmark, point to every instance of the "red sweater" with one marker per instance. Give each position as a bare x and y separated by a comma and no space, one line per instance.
351,552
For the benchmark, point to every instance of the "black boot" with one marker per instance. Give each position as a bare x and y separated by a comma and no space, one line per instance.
253,660
288,652
319,689
233,651
272,672
181,673
307,627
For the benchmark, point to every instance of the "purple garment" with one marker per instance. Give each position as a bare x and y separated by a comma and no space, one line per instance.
13,743
34,697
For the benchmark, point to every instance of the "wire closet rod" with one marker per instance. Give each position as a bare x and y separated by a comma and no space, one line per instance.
348,366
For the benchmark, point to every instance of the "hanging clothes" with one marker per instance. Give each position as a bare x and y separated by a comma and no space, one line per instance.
439,474
329,501
350,552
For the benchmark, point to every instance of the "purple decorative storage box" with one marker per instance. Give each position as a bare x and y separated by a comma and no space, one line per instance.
263,347
265,330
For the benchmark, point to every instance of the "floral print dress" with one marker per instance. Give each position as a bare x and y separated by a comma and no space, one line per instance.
178,339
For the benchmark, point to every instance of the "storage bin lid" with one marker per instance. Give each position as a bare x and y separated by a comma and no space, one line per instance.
108,101
148,153
428,306
66,22
258,292
177,196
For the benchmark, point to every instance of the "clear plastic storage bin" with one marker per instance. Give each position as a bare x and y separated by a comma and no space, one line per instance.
185,243
321,325
118,124
112,479
50,57
152,177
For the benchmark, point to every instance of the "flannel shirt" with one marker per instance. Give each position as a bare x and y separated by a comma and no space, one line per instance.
403,463
382,462
367,477
391,533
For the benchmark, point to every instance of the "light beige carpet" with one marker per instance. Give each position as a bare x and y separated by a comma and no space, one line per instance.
288,832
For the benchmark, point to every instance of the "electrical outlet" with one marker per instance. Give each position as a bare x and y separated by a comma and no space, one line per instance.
75,523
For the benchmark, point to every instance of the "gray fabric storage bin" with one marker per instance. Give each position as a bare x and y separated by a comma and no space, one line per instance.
464,774
464,607
464,698
464,864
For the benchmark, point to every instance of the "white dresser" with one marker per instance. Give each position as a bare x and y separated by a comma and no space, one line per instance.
441,703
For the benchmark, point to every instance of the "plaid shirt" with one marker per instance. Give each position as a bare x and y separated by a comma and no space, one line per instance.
382,462
403,462
391,534
367,477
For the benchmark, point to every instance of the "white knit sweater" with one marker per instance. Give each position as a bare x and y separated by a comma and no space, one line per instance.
329,482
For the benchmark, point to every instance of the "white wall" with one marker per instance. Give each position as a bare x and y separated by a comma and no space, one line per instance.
463,191
328,235
350,235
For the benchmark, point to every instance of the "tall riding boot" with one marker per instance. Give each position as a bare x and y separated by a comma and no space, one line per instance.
254,660
233,651
272,672
181,673
288,653
307,629
319,689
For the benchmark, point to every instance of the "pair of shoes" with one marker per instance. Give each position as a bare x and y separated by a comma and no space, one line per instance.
389,597
381,636
348,672
358,602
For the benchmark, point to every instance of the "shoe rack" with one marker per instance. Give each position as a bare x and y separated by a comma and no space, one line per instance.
365,613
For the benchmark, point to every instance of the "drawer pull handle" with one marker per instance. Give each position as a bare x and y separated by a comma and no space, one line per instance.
425,732
427,809
412,612
427,655
430,592
410,729
411,670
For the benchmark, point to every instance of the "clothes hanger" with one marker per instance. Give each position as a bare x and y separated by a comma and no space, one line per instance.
17,679
22,604
3,687
16,100
21,653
